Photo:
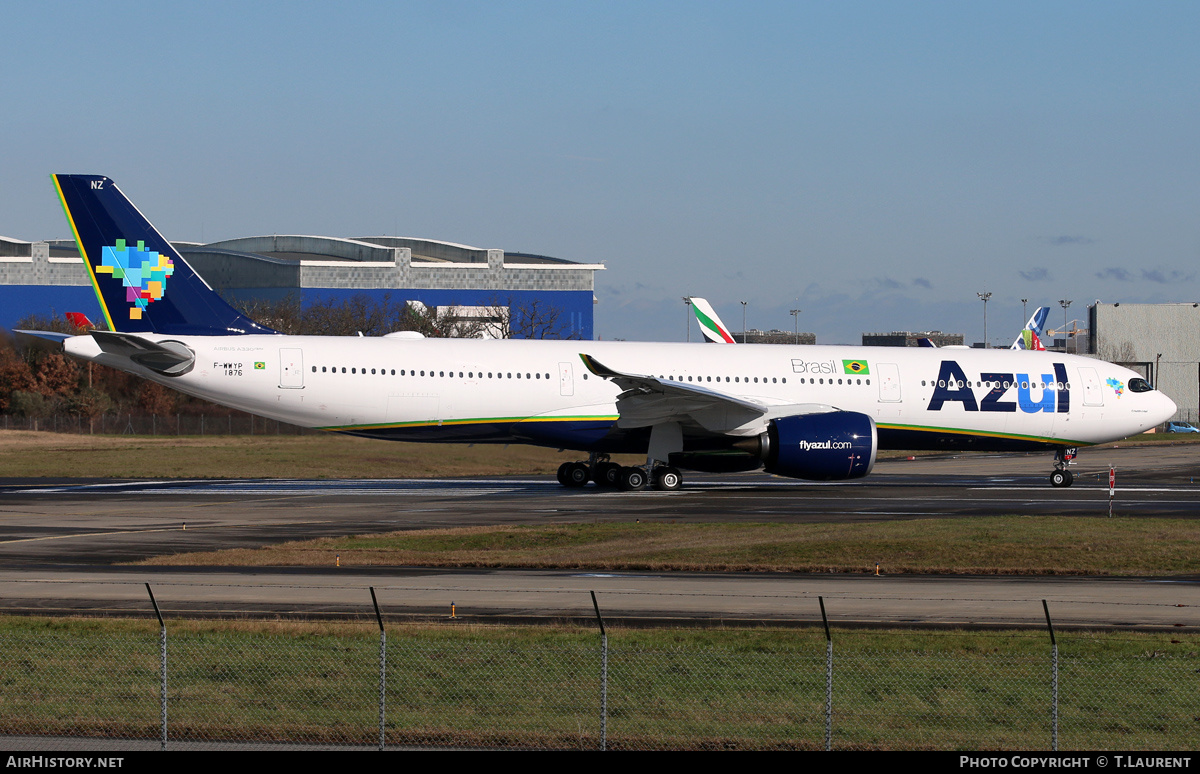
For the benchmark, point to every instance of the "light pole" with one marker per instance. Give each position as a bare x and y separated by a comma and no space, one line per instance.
1064,303
1024,312
743,303
984,297
795,313
687,311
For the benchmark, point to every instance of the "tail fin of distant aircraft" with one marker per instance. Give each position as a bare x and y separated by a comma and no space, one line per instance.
925,341
710,325
141,281
80,321
1031,336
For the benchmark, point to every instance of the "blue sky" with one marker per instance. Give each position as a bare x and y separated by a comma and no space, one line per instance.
873,164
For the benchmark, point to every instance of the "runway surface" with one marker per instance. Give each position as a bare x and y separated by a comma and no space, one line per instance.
527,595
58,541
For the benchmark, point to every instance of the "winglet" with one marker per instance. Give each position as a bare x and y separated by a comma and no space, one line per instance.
597,368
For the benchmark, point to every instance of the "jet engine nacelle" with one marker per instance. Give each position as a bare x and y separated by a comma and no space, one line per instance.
820,447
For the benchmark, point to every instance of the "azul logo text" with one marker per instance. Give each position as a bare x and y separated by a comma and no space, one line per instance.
952,386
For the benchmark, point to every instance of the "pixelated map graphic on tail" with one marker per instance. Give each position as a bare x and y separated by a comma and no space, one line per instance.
144,273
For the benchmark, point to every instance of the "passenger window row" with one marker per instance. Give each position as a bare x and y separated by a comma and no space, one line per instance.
430,373
997,385
762,380
355,370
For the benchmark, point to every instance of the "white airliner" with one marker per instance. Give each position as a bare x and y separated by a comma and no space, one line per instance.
809,412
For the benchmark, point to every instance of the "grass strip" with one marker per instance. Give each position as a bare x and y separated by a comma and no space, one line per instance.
25,454
1000,545
455,685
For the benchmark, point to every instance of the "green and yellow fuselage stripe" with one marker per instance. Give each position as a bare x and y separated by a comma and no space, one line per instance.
473,421
981,434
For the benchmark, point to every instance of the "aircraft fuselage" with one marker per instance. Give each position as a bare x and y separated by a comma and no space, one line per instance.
539,392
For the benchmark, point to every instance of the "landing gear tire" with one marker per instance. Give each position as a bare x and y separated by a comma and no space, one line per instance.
573,474
1061,478
631,480
605,474
667,479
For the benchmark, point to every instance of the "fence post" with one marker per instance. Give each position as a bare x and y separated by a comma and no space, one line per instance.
162,655
603,675
828,679
1053,680
382,669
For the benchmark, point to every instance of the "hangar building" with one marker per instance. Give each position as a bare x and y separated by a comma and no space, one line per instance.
1160,341
49,277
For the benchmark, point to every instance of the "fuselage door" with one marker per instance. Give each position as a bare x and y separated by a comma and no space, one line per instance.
566,381
291,369
889,383
1093,395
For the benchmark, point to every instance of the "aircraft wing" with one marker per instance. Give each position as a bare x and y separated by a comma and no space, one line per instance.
647,400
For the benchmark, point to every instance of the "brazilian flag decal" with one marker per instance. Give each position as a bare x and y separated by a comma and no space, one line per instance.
260,365
855,367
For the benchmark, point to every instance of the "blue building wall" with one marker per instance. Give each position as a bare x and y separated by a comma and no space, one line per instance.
20,301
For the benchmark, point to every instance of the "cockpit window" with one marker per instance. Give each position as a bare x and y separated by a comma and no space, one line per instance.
1139,385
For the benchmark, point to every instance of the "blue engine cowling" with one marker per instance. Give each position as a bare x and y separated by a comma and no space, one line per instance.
821,447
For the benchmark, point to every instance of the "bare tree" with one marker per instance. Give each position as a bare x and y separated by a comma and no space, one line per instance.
1124,352
533,318
444,322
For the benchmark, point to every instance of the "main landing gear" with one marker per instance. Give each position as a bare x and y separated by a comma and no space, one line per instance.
1061,476
610,475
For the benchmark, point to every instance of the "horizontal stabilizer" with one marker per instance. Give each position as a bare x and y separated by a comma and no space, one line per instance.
169,358
54,336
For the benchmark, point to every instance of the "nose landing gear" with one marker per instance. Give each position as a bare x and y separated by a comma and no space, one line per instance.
1062,477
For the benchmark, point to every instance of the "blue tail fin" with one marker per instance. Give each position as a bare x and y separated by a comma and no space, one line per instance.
141,281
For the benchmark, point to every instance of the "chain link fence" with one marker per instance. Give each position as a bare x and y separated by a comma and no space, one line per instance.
269,683
127,423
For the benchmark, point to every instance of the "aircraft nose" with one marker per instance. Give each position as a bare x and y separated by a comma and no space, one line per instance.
1168,408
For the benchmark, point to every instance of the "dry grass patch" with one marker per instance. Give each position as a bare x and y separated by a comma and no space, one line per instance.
25,454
